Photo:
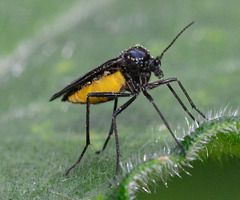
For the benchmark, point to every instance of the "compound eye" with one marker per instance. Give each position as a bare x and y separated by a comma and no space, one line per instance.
153,65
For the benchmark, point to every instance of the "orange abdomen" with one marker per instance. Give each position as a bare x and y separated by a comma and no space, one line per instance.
110,83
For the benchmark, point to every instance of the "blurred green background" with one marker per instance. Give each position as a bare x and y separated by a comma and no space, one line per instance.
46,44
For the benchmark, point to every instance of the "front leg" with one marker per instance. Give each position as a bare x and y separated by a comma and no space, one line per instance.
164,121
155,84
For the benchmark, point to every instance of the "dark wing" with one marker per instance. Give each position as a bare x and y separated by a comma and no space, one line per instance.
74,86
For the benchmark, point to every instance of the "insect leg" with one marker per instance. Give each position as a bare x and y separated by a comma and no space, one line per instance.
118,111
98,94
169,80
181,103
87,138
115,113
111,129
164,120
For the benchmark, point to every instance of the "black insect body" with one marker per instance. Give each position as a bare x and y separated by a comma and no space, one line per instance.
124,76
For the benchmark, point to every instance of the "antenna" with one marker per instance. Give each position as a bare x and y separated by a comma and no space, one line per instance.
160,57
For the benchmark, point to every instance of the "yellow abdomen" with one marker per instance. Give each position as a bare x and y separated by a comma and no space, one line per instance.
110,83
